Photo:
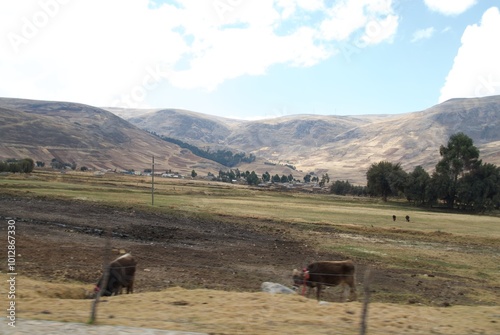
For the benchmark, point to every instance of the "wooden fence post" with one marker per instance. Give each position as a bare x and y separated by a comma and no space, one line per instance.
104,282
366,301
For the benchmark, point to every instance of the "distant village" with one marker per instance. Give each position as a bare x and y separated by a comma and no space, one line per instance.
294,185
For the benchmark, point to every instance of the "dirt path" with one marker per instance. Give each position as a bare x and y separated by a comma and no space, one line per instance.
29,327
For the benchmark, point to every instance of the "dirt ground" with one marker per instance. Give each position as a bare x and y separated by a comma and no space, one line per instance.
63,241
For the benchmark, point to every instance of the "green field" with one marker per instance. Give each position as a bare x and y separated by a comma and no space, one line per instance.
196,196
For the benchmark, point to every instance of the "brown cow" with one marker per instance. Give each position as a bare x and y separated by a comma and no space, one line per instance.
121,274
328,273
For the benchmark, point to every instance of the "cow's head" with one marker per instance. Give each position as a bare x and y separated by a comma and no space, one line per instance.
97,288
107,291
98,285
93,294
299,278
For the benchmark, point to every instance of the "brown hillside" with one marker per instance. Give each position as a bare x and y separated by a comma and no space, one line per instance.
87,136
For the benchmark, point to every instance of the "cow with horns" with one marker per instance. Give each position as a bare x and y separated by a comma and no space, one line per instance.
326,273
121,275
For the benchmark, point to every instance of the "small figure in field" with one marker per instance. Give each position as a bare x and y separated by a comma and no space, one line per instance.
394,218
407,218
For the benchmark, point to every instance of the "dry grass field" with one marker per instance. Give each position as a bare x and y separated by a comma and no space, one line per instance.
204,249
248,313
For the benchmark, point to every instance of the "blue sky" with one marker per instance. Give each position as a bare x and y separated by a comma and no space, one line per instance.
251,59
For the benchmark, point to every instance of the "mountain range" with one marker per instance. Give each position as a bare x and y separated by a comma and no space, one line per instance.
342,146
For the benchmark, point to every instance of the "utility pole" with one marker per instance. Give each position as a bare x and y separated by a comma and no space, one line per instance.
153,182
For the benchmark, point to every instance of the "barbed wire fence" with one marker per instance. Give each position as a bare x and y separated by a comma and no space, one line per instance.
108,254
107,257
347,327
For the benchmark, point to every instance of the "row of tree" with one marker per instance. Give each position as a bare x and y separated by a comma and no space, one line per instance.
460,180
230,176
25,165
59,165
342,187
266,177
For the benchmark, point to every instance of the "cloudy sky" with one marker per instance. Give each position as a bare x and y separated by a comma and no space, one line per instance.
251,59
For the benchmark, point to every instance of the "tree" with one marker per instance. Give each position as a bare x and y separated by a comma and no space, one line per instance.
325,179
459,157
479,190
340,187
193,174
385,179
27,165
13,167
266,177
55,164
307,178
416,187
226,176
252,179
276,178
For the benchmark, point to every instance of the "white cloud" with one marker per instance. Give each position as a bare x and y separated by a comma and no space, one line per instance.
450,7
100,52
423,34
380,30
476,70
291,6
235,53
85,51
374,17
